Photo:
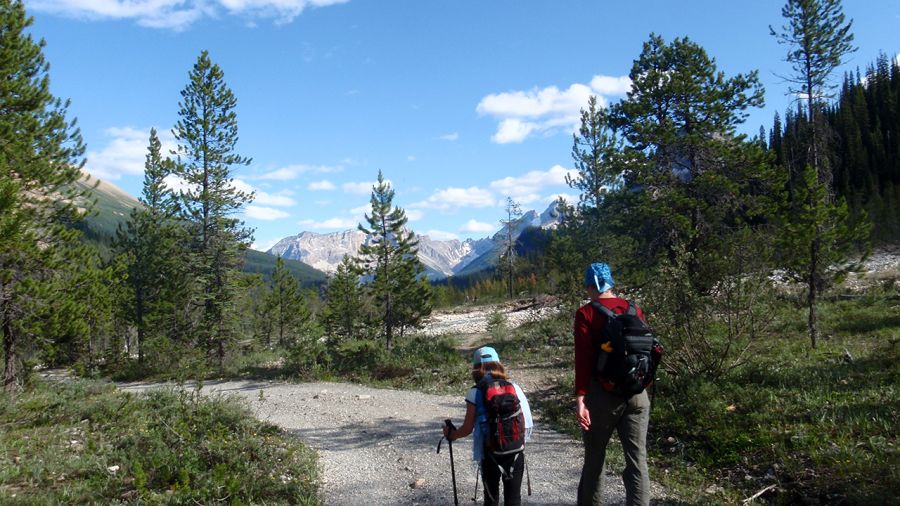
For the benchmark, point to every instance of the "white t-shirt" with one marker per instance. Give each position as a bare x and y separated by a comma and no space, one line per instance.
478,445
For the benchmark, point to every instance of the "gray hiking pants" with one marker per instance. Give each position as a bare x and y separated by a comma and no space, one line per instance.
630,419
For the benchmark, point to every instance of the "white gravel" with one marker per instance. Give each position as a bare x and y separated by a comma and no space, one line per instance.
476,319
375,444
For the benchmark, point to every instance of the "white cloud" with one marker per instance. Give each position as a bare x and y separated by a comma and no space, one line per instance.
513,130
264,213
280,199
176,184
176,14
477,227
609,85
525,188
125,152
458,197
568,197
333,223
362,187
440,235
323,185
294,171
414,214
361,210
450,137
264,245
548,110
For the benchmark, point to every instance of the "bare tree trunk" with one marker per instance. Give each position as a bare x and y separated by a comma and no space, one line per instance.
811,295
9,355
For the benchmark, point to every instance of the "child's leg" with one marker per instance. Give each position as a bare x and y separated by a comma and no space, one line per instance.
490,477
512,486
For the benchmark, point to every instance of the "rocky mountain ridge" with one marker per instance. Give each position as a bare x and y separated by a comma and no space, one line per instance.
441,258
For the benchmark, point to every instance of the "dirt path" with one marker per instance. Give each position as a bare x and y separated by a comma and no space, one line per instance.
378,446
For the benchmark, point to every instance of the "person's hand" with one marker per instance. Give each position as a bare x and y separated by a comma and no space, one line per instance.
447,432
584,416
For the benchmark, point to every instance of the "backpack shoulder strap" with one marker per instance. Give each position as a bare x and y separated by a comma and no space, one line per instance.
609,313
632,309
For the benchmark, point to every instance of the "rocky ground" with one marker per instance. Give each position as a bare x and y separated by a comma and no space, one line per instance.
377,446
473,319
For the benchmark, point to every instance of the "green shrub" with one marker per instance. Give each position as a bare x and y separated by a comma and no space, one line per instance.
85,442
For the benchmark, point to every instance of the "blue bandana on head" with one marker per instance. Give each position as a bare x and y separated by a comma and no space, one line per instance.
599,276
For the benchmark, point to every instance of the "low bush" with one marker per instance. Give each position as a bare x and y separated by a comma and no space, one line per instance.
84,442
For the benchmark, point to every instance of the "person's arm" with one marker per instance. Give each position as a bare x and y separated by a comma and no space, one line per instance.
467,426
584,355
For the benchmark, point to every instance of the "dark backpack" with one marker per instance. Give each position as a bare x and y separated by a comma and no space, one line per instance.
631,365
504,422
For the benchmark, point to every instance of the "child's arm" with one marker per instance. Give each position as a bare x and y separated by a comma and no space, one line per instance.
467,426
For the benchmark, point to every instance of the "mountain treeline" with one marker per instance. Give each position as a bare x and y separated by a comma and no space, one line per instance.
863,125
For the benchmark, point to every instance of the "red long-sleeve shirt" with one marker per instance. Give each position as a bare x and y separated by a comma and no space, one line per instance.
588,323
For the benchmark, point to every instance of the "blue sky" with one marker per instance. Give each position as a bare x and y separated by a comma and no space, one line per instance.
460,103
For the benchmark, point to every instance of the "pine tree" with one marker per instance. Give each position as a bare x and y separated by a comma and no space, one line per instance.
819,38
207,133
40,159
689,181
343,311
692,203
595,226
289,312
389,259
151,243
508,255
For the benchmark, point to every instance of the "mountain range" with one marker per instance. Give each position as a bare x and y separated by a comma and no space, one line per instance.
441,258
310,256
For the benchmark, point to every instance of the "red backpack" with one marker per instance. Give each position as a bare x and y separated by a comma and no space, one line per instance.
503,424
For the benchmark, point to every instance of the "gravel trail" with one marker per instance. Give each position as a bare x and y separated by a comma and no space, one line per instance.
377,446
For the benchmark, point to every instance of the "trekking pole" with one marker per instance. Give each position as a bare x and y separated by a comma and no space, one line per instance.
449,424
477,474
527,473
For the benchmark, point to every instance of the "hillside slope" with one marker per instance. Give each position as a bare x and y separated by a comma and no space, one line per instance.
111,207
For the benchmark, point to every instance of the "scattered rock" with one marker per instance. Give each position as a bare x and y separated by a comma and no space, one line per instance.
113,469
363,397
714,489
419,483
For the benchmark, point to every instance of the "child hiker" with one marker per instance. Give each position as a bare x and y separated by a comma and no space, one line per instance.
498,412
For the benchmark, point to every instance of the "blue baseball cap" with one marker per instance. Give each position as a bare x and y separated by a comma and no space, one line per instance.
599,276
484,355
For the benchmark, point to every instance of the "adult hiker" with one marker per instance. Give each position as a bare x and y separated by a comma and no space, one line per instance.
601,407
497,412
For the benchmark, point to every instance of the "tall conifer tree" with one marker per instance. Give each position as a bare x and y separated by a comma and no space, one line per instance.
40,159
389,260
151,241
207,134
818,37
508,255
